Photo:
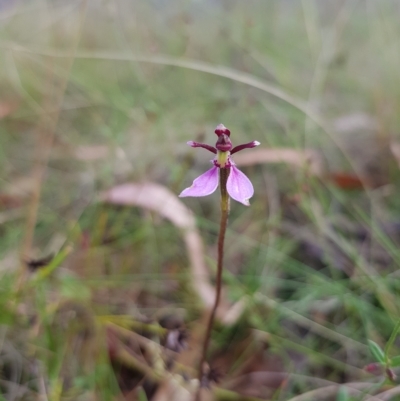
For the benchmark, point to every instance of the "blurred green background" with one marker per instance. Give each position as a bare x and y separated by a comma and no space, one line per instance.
99,93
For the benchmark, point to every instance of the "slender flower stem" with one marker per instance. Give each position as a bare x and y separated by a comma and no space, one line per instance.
223,177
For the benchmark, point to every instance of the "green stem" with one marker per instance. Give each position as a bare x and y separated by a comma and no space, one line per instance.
223,178
390,342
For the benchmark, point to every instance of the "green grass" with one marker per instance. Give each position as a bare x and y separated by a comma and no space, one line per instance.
315,264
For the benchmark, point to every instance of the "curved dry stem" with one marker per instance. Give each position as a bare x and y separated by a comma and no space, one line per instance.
386,395
354,389
161,200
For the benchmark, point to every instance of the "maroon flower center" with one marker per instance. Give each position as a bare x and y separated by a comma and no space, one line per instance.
223,144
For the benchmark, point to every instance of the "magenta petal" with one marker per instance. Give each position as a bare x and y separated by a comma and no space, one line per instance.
203,185
239,186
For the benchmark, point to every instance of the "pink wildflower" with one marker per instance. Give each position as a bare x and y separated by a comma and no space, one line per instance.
238,185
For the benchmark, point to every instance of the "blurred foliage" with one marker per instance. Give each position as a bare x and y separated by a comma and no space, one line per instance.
113,90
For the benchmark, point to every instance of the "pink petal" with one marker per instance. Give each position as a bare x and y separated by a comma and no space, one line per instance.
203,185
239,186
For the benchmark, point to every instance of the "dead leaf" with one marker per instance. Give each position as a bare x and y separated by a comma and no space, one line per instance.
20,187
347,181
10,201
175,389
92,152
299,158
395,149
7,108
35,264
355,122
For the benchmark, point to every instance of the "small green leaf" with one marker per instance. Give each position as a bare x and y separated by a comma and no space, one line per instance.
376,351
46,271
73,287
395,361
142,395
342,394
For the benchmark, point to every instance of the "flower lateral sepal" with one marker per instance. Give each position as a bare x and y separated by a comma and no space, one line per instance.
204,184
239,187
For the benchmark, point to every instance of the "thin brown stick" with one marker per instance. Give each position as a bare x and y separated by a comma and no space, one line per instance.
223,177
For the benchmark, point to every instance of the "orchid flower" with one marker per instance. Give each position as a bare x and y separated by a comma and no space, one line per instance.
238,185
